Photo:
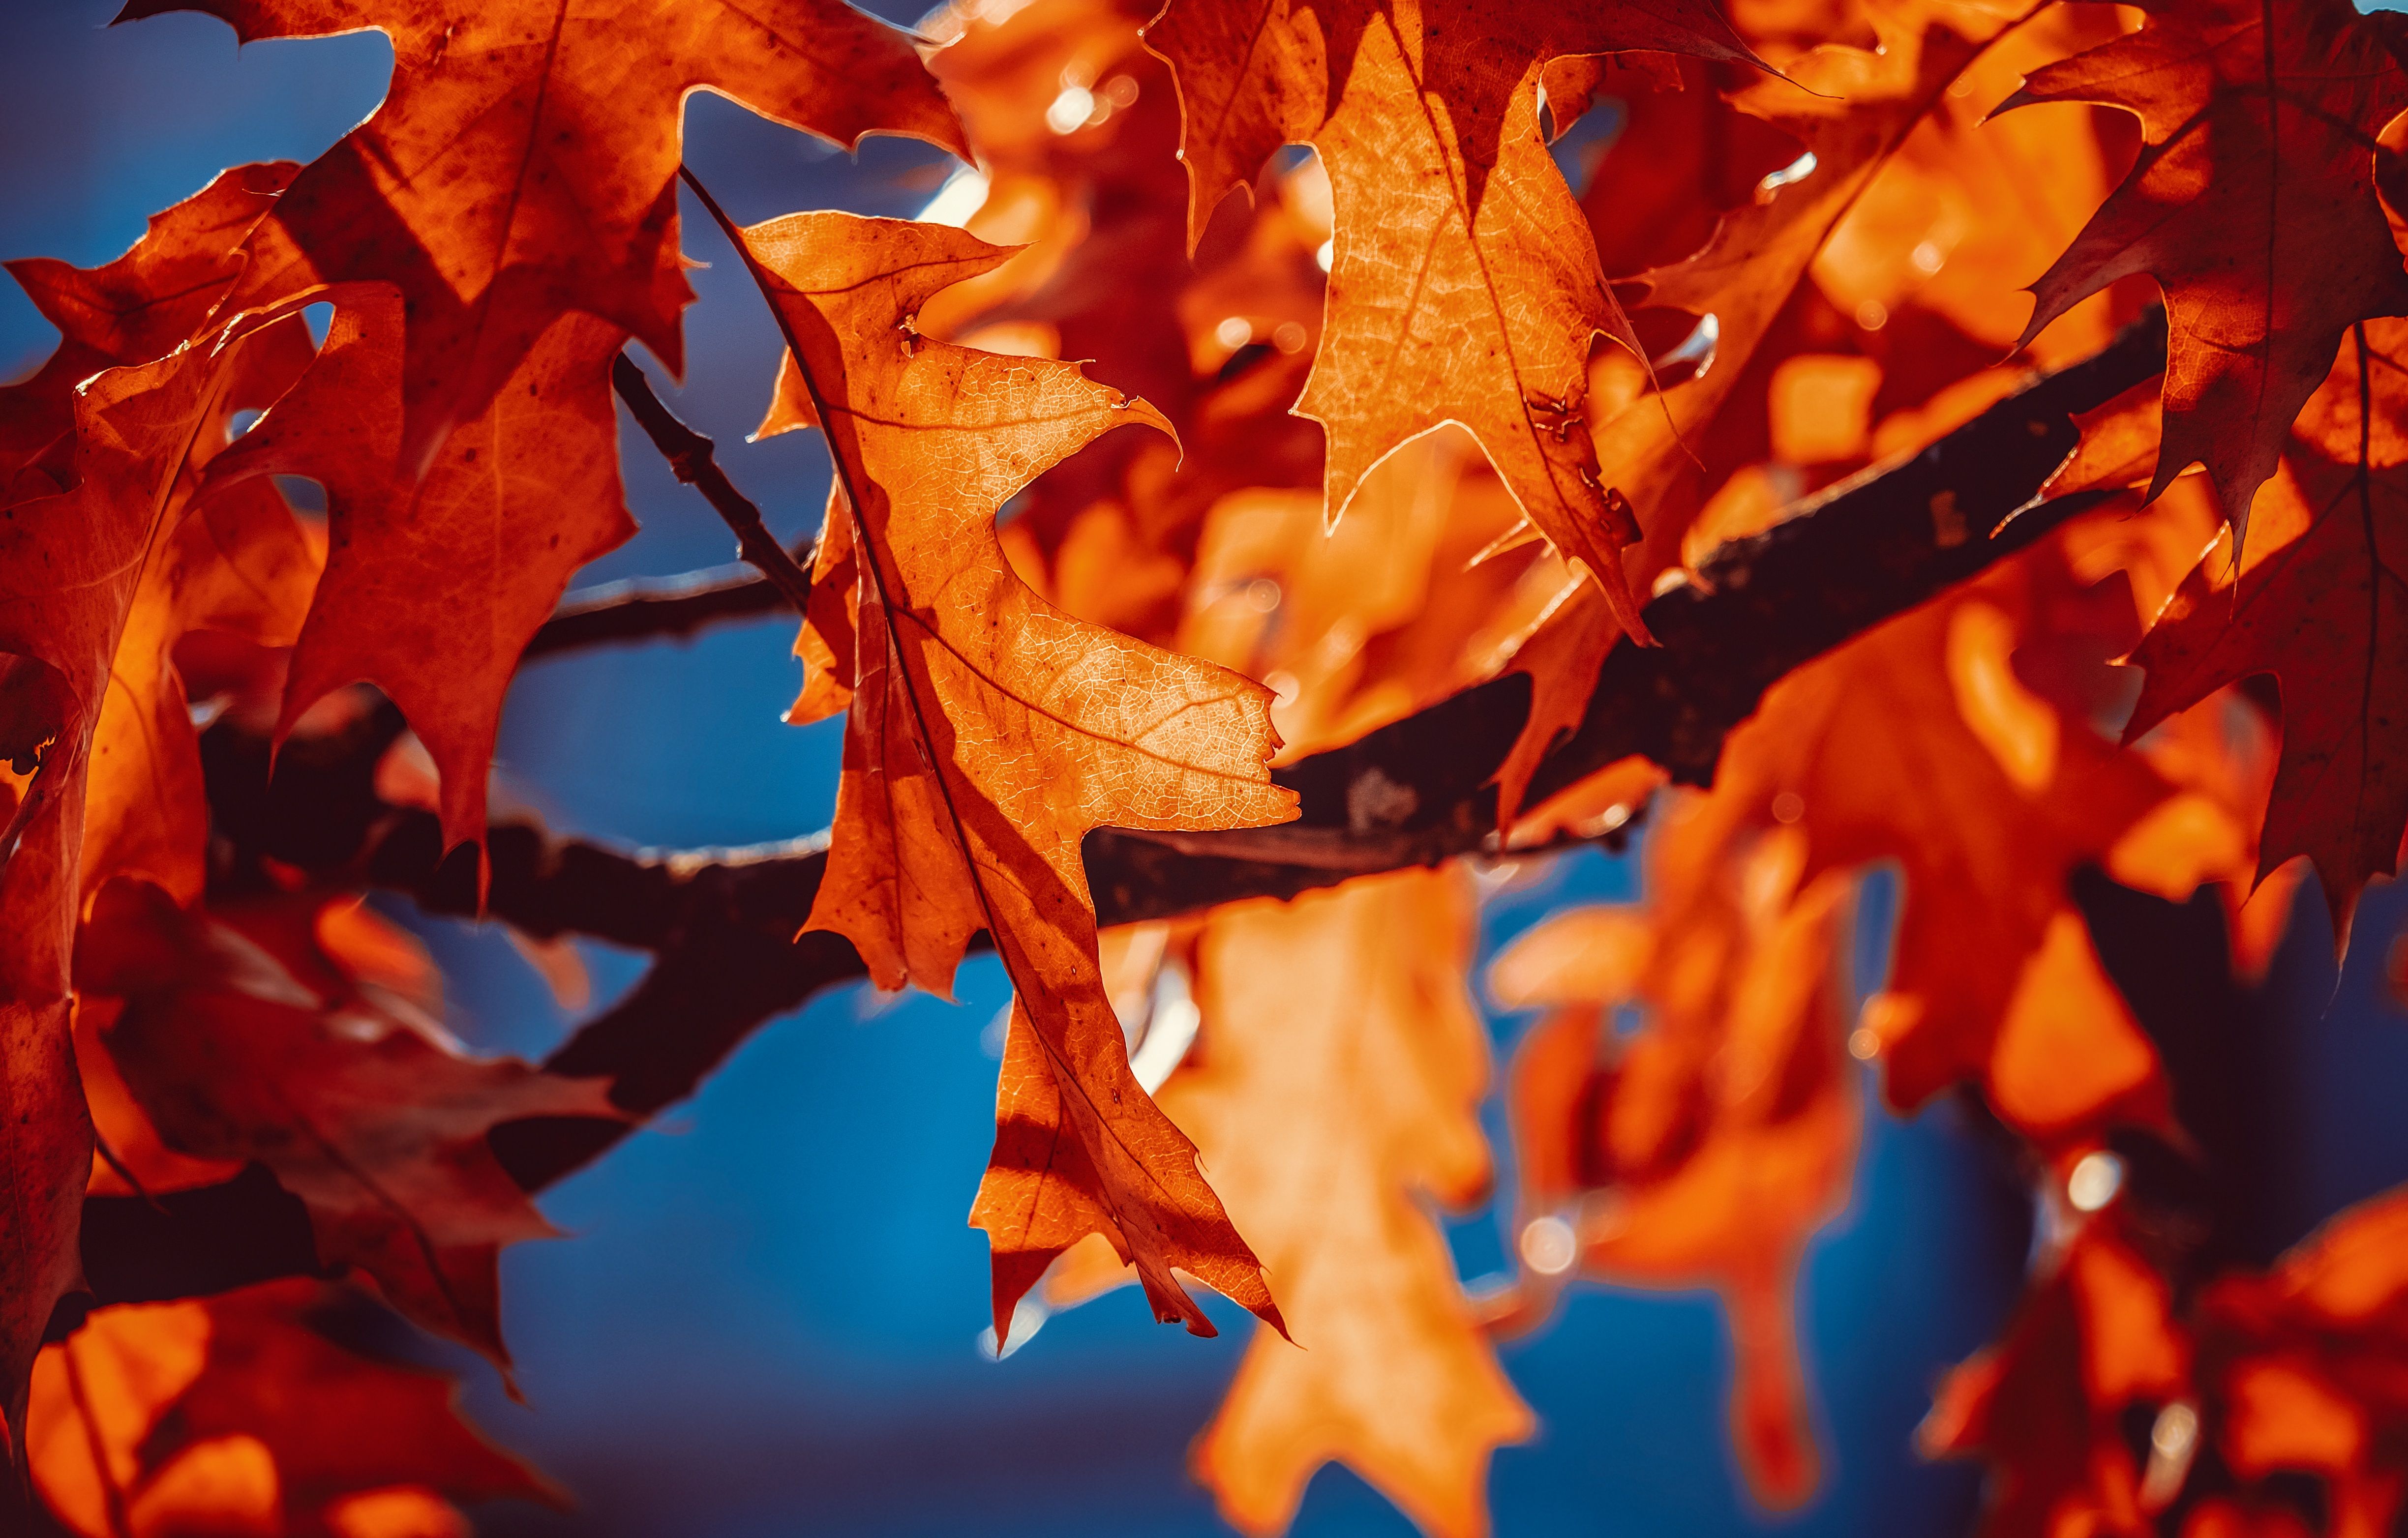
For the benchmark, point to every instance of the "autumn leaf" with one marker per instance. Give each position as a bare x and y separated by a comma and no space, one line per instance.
1101,210
521,165
271,1032
2316,601
2253,206
239,563
242,566
96,474
1848,110
1339,1070
1708,1148
1360,625
100,464
989,732
2307,1362
131,310
71,563
1463,286
513,503
231,1414
1920,744
2095,1337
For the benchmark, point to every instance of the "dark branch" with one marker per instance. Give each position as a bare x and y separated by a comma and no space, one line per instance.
1864,551
649,609
721,924
690,455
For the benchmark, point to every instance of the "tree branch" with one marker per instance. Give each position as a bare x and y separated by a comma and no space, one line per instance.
691,456
723,924
649,609
1866,551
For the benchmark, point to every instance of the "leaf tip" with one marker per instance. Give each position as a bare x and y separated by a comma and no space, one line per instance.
2022,96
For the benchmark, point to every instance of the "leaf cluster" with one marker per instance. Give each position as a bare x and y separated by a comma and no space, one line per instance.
1238,565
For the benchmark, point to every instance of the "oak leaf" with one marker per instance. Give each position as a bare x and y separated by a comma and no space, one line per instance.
2253,204
2308,1361
1708,1148
2096,1337
238,562
1849,111
437,575
1919,743
71,563
276,1032
234,1415
988,731
1463,286
132,310
1340,1071
521,165
2317,600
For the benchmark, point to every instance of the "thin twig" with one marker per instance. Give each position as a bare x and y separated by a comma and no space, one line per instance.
690,457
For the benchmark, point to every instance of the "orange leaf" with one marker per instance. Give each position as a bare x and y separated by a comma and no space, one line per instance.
1340,1070
70,564
1464,286
2253,204
275,1033
989,732
436,581
2317,602
1706,1148
233,1414
519,166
